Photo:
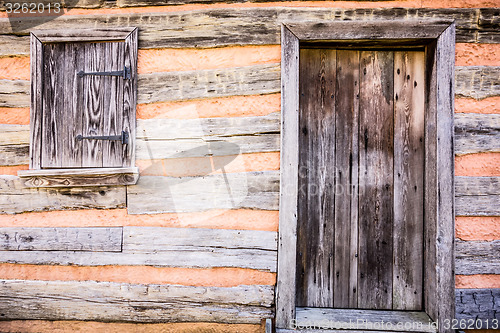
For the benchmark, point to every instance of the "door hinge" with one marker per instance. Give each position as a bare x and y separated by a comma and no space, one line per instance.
123,137
125,73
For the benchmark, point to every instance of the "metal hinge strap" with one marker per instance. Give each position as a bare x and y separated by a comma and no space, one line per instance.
125,73
123,137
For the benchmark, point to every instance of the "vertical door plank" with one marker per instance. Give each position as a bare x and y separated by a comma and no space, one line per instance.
346,187
130,99
408,179
53,106
375,180
71,149
315,226
113,105
93,113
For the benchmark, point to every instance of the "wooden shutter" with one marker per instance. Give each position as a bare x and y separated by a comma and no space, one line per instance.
91,105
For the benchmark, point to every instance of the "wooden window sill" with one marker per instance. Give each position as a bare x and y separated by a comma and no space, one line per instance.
79,177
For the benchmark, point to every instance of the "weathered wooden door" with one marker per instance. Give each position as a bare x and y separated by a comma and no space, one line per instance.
361,179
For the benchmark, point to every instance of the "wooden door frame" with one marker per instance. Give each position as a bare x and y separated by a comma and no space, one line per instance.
438,38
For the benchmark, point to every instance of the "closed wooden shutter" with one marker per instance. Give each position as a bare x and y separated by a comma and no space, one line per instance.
90,105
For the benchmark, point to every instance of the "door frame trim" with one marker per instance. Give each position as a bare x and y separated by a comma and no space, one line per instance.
438,38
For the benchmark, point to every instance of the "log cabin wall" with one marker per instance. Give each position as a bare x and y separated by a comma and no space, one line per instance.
195,240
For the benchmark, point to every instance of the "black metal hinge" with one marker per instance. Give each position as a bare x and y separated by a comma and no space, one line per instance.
123,137
125,73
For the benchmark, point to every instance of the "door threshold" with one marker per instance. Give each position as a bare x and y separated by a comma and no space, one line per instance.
324,320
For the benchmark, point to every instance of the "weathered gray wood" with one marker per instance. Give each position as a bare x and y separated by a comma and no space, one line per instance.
154,129
238,26
366,319
315,218
130,99
83,35
482,305
253,190
409,127
477,257
489,25
14,144
108,301
376,133
288,192
346,185
159,239
35,149
475,133
15,198
477,196
379,30
14,93
174,256
257,79
439,279
61,239
172,86
79,177
478,81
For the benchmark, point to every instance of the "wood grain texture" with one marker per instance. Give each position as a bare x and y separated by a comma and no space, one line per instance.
477,257
408,229
36,104
489,25
15,198
443,306
477,81
289,169
61,239
248,80
170,247
83,35
346,184
376,132
251,190
238,26
475,133
108,301
477,196
174,86
478,304
315,219
130,99
79,177
365,319
379,31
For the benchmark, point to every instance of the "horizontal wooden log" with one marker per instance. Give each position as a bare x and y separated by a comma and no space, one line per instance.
477,257
14,93
16,198
176,86
14,154
252,190
476,133
79,177
489,25
108,301
187,256
477,196
241,26
478,304
477,81
158,239
61,239
471,81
